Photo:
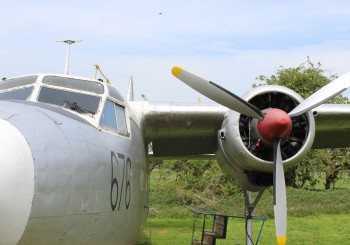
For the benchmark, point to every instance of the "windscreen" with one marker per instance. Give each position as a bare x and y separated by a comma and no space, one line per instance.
17,88
83,85
81,103
19,94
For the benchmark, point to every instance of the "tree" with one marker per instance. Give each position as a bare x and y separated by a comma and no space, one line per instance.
306,79
198,181
333,163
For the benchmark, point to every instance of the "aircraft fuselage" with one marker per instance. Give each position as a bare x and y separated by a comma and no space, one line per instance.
64,181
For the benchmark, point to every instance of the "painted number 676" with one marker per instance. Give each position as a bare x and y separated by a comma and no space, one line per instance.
120,181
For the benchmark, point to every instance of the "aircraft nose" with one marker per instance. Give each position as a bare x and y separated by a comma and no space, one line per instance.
16,183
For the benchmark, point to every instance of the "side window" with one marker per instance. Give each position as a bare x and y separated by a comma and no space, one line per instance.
121,120
108,116
113,117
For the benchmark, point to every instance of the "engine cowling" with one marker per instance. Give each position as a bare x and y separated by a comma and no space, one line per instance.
246,155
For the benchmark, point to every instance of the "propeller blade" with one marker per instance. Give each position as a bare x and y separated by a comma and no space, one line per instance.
322,95
217,93
280,199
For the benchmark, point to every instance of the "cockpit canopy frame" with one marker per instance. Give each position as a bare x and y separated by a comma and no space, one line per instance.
87,98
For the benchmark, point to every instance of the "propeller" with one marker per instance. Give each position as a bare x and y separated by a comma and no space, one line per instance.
324,94
274,125
217,93
279,193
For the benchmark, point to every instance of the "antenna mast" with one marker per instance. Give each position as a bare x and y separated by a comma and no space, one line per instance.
69,43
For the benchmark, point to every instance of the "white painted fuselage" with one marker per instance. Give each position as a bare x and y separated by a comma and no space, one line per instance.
65,181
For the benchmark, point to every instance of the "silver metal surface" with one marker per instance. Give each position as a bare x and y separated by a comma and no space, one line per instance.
237,157
72,165
182,130
332,126
16,183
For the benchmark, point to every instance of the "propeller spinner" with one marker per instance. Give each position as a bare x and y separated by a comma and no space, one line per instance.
274,125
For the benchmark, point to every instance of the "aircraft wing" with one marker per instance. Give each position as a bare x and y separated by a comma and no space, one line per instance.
332,126
182,131
189,131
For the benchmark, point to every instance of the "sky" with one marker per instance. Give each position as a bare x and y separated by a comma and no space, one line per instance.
229,42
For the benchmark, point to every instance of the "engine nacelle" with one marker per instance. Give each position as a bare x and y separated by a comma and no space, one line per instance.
245,155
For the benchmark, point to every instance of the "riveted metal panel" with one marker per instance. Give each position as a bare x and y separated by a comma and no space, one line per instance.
73,167
332,126
182,129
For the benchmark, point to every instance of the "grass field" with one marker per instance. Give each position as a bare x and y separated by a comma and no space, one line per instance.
315,216
317,229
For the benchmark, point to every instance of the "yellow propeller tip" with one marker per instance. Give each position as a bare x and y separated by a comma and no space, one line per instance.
176,71
281,240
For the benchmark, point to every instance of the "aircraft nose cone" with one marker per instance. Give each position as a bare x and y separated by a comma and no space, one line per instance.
16,183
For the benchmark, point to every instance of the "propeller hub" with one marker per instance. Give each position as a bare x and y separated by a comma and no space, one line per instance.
275,125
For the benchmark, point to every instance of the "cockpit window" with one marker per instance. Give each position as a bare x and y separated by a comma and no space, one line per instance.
113,117
17,82
108,116
121,120
83,85
17,88
19,94
81,103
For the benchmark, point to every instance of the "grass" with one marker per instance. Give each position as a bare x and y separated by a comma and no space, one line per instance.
317,229
300,203
315,216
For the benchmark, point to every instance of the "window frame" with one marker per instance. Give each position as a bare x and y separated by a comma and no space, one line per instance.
71,92
126,120
9,94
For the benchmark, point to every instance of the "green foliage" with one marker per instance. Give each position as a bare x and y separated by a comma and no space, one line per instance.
188,183
333,163
202,176
310,212
305,79
170,198
302,175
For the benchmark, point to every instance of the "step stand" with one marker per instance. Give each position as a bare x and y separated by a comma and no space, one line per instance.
218,228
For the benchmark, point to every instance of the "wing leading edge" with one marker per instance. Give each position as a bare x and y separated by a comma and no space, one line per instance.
189,131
